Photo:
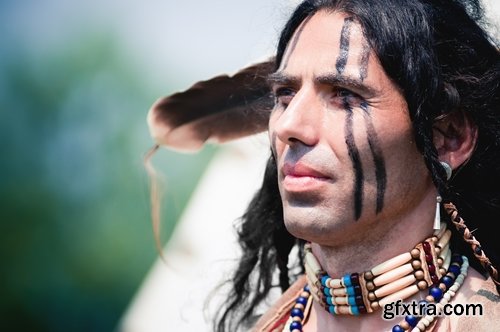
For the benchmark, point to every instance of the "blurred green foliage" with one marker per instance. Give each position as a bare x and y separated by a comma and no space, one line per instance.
76,233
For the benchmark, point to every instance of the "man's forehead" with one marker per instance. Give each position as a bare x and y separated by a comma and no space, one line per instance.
330,32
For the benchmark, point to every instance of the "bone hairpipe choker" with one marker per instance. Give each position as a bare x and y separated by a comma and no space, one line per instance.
395,279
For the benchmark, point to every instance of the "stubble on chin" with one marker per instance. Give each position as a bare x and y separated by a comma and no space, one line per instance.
316,222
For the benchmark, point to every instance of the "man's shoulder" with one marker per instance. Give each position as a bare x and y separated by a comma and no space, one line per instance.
480,311
274,319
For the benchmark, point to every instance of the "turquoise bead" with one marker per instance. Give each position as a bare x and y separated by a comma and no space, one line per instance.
347,280
331,309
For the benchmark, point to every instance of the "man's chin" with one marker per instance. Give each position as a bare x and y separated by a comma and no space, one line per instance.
305,227
315,225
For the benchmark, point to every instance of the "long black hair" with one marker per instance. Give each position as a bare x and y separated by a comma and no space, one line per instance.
440,55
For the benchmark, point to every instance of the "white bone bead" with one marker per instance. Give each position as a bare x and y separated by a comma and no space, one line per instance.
313,263
343,310
393,275
340,300
335,283
311,276
395,286
339,292
402,294
444,250
391,263
439,232
447,260
445,239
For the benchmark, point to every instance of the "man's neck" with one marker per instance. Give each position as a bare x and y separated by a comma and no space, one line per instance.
385,240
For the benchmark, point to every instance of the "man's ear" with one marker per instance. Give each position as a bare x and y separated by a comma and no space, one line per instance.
455,137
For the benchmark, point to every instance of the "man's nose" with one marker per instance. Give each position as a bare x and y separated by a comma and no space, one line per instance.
300,121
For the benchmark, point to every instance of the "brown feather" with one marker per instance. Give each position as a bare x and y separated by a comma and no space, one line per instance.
219,109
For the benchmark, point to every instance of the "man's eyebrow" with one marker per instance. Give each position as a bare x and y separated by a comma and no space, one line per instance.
345,81
280,78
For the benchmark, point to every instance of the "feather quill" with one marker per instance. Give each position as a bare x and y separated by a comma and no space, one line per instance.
217,110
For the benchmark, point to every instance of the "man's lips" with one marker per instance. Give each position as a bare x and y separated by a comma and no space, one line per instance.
302,170
300,177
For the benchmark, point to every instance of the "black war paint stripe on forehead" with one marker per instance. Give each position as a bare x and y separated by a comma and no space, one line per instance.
378,158
344,45
363,61
355,159
291,46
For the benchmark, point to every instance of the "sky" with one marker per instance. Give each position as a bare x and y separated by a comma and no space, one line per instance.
190,40
185,39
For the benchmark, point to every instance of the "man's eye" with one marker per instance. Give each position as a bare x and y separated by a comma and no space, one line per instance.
342,97
345,96
343,93
284,95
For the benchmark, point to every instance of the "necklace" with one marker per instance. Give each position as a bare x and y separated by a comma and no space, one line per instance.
429,265
439,295
395,279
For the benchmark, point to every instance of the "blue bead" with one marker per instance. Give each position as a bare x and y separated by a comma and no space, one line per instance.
306,288
412,320
350,291
423,304
355,310
457,259
329,300
448,281
351,300
301,300
436,293
295,326
454,269
324,280
397,328
347,280
297,313
326,290
331,309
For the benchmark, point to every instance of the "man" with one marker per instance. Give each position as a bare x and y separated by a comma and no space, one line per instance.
384,134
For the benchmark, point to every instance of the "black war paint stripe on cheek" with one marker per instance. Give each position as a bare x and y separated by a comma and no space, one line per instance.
291,47
344,45
378,158
355,159
363,61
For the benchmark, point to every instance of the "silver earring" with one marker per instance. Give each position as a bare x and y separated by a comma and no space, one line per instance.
447,169
437,217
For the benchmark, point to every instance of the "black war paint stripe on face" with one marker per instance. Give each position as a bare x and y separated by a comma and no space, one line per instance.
291,46
378,158
344,45
355,159
363,61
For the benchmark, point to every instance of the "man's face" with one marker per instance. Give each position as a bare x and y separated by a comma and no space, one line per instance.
341,135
